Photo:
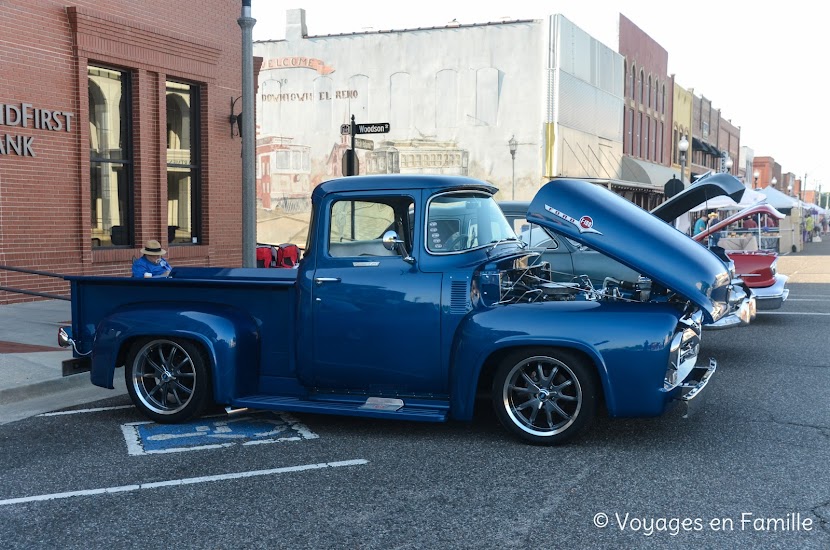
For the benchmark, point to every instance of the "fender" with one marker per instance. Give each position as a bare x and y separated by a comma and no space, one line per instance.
229,336
627,343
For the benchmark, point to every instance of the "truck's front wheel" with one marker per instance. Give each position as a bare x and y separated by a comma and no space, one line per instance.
544,395
167,379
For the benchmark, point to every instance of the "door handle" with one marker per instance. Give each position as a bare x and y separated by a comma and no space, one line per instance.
321,280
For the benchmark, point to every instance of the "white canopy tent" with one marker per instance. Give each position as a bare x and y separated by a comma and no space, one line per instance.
779,200
749,198
812,207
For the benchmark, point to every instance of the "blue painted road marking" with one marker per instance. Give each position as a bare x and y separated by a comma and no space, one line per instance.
212,433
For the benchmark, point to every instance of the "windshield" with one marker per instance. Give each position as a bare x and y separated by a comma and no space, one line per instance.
465,220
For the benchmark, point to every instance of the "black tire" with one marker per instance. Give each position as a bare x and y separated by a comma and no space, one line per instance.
545,396
168,379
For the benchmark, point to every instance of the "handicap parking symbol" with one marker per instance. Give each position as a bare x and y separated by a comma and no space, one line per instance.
212,433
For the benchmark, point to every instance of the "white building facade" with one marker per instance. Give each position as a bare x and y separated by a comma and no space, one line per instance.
454,97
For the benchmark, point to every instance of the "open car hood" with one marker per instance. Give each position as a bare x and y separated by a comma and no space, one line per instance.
606,222
705,188
748,212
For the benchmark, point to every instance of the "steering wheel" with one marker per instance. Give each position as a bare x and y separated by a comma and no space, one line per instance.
456,242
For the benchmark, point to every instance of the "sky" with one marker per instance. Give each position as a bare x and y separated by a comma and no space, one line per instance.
763,69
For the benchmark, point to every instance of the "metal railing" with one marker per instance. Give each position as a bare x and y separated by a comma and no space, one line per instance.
32,292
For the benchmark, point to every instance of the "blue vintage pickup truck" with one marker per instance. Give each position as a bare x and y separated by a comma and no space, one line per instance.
413,298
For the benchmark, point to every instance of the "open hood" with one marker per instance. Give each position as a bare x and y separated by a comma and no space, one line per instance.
606,222
705,188
749,212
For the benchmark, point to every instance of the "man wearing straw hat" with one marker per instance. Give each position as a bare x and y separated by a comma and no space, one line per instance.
151,263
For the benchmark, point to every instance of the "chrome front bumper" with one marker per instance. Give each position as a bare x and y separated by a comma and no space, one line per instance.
693,385
743,315
774,296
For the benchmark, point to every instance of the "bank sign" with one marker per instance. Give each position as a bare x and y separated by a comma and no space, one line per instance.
25,115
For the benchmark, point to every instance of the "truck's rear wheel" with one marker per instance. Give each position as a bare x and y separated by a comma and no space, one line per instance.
167,379
544,395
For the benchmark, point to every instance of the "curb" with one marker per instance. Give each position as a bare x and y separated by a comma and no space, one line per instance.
16,394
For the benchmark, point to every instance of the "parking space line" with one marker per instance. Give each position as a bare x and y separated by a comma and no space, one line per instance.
791,313
183,481
83,411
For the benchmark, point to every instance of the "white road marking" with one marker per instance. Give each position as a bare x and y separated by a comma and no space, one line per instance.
183,481
790,313
808,299
82,411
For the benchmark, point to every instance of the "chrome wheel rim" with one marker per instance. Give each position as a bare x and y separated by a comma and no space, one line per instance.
542,396
164,377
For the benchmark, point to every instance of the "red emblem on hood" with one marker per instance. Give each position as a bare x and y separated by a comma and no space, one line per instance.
586,222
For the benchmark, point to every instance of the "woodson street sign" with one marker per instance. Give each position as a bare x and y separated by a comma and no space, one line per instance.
373,128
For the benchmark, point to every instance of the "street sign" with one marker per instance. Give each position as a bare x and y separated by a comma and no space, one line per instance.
672,187
364,144
372,128
349,169
345,129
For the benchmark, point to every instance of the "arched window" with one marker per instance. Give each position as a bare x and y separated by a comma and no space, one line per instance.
110,151
631,79
648,92
625,82
183,175
640,87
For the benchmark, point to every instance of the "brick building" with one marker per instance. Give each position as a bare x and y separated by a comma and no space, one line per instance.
648,113
114,129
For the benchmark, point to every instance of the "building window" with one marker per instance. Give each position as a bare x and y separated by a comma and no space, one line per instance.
110,157
400,101
648,93
640,87
183,181
487,97
639,131
631,78
446,99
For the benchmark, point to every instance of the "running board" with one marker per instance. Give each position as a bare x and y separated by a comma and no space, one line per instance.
420,410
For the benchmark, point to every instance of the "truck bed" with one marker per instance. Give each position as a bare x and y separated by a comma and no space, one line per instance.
264,298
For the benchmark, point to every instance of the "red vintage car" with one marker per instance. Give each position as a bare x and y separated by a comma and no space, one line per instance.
756,266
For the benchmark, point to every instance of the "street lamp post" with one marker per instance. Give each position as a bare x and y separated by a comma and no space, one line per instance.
246,23
683,146
756,174
773,181
729,164
513,144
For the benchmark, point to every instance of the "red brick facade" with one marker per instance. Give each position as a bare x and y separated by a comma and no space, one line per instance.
45,48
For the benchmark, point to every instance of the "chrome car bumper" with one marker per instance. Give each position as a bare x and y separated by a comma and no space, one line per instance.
772,297
693,386
742,315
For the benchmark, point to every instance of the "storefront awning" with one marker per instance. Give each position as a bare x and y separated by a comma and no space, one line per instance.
656,175
612,183
698,145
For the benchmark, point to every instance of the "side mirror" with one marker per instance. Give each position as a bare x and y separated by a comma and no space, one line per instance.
392,242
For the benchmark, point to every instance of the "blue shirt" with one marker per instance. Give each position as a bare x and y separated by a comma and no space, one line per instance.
700,225
142,265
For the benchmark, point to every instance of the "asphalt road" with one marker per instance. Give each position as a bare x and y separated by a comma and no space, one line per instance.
749,470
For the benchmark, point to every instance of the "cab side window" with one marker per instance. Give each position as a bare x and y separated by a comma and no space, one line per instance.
357,226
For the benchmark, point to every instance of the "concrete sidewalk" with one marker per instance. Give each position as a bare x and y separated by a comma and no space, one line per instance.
31,381
30,359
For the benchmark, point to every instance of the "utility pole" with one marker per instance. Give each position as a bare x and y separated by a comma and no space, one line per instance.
246,23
